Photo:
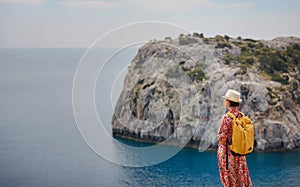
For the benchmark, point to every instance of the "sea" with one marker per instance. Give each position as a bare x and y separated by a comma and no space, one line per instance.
41,144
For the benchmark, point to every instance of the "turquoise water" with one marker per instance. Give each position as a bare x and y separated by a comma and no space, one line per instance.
41,145
189,167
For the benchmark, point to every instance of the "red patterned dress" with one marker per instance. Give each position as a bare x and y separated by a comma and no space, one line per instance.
234,169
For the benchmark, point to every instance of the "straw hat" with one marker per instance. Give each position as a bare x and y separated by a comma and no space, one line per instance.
233,95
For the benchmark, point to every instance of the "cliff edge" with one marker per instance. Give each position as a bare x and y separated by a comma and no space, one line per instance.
173,91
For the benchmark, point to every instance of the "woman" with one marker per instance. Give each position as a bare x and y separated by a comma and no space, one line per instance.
233,169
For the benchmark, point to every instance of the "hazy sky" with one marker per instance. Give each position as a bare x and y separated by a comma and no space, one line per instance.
78,23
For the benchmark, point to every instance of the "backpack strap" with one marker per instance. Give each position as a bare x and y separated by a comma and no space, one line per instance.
233,116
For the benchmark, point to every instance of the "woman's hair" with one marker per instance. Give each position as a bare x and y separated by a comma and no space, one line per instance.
233,104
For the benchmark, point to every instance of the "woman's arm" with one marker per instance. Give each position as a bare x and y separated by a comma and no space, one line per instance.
224,130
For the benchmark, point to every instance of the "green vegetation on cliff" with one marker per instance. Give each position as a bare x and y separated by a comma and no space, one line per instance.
271,62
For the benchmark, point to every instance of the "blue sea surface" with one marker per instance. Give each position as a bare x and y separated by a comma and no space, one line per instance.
40,144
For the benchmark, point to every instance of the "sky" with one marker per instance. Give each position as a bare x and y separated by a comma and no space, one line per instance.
78,23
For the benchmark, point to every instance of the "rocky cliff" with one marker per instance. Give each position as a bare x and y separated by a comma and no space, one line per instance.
173,91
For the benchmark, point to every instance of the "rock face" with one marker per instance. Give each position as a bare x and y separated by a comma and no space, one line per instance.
173,91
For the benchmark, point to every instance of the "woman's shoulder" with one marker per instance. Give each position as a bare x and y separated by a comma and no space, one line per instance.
227,118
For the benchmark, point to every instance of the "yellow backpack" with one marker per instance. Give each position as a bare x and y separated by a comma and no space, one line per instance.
242,135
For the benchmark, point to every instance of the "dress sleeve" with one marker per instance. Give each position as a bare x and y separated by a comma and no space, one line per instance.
224,129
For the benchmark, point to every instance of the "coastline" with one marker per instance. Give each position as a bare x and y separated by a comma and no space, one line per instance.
191,144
